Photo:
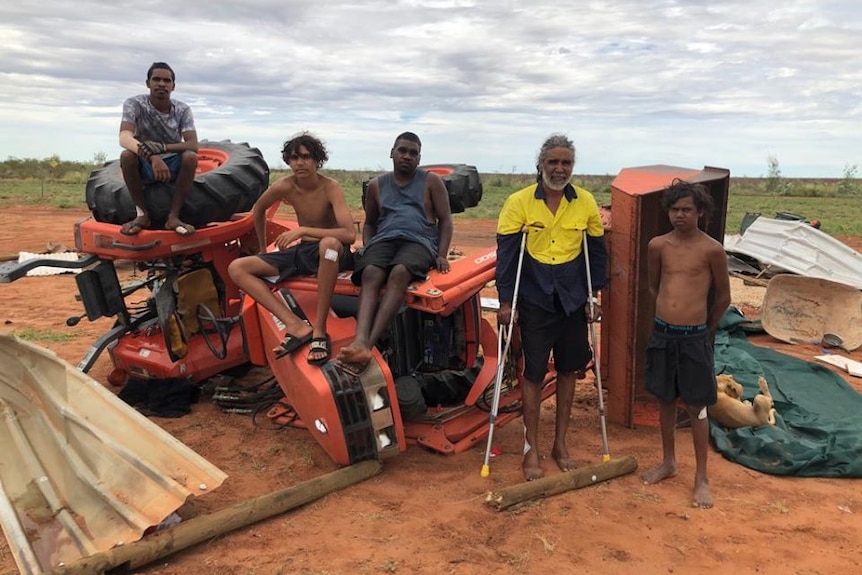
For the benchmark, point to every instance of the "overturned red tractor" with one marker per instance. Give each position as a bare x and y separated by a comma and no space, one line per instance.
432,377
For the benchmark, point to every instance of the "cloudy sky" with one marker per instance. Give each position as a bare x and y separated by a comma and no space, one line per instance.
724,83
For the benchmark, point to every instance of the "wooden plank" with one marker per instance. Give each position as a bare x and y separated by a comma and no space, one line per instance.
553,484
207,527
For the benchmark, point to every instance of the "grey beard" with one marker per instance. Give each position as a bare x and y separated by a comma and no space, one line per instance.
546,181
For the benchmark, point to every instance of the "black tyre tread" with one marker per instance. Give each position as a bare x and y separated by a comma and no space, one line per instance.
215,196
463,184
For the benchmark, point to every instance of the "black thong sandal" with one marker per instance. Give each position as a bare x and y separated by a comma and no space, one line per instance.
290,344
319,345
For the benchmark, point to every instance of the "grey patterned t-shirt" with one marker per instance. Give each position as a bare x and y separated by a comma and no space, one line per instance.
152,125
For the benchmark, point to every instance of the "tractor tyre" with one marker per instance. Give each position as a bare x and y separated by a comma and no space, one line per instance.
462,182
229,179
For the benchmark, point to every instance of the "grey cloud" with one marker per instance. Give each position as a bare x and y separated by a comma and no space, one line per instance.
446,66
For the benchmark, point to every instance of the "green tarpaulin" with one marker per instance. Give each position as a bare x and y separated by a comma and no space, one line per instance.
818,432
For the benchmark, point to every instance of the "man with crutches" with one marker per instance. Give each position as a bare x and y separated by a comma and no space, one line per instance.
553,300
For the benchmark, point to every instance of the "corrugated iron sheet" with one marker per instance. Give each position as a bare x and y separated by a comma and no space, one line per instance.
81,471
799,248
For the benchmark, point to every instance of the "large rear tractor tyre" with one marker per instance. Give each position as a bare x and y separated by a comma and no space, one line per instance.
462,183
229,179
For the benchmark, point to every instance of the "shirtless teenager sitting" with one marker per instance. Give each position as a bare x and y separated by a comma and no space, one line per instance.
684,264
408,227
320,244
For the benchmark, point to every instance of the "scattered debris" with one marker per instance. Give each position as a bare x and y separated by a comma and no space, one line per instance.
89,470
851,366
489,303
800,309
797,247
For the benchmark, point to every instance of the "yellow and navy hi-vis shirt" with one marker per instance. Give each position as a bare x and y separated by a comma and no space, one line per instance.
553,258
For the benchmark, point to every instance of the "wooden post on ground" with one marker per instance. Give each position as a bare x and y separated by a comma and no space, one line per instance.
507,497
205,527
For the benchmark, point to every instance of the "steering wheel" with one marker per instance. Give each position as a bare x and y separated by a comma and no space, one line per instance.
209,323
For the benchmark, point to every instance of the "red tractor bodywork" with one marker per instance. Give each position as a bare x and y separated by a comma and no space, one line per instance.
439,333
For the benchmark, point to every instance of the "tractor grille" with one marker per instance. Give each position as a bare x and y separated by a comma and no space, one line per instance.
350,400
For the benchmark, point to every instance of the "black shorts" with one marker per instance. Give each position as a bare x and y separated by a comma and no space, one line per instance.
415,257
679,364
303,259
543,331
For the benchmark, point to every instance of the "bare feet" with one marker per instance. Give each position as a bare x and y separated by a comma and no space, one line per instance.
357,355
561,456
345,352
701,497
531,466
354,359
134,227
659,473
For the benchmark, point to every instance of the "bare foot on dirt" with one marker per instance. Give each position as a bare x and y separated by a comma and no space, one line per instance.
531,466
659,473
701,497
561,456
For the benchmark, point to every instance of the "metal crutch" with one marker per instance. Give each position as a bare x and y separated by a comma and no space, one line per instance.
606,455
501,358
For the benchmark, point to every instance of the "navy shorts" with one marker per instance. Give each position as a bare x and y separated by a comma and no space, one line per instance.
172,160
303,259
387,254
679,364
543,331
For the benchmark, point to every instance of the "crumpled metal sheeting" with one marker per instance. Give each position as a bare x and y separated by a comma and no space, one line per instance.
799,248
81,471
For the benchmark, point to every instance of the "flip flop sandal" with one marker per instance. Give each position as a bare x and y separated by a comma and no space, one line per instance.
183,229
290,344
132,228
319,345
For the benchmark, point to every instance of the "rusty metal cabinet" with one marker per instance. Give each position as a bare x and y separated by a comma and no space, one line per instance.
637,217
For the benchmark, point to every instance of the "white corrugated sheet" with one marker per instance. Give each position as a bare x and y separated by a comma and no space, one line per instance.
799,248
81,471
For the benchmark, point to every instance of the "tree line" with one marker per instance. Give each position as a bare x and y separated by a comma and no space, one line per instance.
50,168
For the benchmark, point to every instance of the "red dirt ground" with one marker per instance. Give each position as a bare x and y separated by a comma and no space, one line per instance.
425,513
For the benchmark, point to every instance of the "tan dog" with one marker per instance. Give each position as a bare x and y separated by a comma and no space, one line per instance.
731,411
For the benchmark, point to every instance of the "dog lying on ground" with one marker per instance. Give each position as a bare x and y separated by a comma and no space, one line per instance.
730,411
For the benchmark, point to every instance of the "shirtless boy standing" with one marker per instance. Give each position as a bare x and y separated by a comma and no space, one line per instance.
684,265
